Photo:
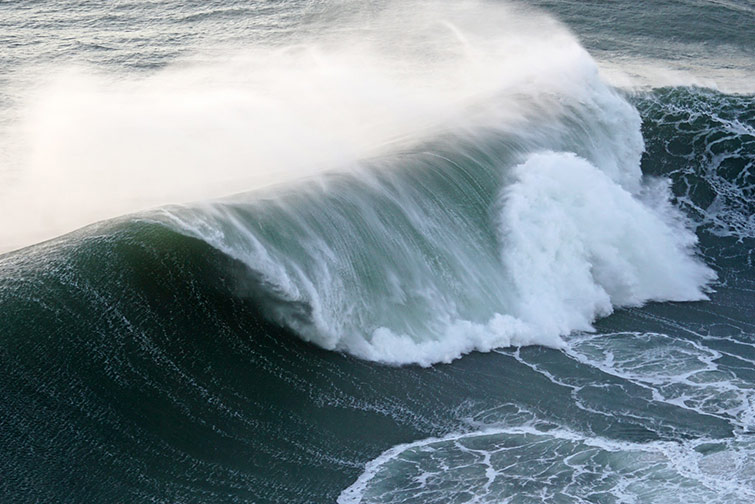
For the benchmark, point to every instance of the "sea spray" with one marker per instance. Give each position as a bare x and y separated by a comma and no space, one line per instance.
87,144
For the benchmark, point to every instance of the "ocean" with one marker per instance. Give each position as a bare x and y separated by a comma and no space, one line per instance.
320,251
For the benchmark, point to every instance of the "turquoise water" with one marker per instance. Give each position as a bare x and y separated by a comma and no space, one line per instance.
345,279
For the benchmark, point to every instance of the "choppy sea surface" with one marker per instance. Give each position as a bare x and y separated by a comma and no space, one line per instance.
386,252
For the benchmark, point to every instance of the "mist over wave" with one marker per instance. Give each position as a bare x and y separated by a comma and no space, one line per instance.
86,144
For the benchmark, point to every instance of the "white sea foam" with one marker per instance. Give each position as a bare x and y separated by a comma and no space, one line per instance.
494,461
576,244
497,465
686,374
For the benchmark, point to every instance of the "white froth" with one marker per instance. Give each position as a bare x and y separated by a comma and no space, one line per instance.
576,244
496,465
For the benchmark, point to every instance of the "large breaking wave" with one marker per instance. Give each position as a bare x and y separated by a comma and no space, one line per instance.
446,179
516,219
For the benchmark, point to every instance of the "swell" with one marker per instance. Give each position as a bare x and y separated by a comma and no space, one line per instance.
149,359
133,369
128,344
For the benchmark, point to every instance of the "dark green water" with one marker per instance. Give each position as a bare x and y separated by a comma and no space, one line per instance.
216,352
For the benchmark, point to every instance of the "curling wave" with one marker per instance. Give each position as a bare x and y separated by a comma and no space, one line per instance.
511,232
440,183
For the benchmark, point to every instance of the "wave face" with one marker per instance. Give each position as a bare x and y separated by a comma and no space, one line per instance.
427,260
513,229
454,191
